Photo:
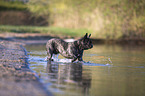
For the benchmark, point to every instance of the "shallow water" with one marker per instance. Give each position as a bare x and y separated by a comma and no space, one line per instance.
110,70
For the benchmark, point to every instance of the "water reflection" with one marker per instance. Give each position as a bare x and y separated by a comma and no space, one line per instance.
112,70
70,74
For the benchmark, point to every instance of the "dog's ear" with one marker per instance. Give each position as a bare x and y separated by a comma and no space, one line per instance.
89,36
86,35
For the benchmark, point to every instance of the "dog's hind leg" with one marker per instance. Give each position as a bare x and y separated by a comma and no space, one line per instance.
49,55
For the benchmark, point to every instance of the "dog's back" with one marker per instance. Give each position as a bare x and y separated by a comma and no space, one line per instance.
55,46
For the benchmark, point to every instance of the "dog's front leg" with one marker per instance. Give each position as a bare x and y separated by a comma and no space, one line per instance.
80,58
74,59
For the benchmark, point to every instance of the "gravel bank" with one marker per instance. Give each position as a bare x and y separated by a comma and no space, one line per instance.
16,79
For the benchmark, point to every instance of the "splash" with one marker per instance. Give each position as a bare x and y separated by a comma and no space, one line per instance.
55,58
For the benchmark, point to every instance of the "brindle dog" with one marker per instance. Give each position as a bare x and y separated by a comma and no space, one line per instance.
71,50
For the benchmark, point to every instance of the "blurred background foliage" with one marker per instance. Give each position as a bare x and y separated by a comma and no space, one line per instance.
12,5
105,19
109,19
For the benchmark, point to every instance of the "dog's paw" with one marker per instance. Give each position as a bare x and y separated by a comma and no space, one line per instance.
50,59
81,61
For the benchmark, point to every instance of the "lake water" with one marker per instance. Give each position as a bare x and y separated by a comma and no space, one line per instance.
111,70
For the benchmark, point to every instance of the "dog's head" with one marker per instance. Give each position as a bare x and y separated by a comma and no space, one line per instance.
86,42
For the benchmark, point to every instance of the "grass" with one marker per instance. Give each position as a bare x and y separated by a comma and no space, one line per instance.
58,31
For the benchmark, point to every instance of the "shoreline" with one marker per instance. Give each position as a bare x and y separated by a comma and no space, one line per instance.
16,78
39,38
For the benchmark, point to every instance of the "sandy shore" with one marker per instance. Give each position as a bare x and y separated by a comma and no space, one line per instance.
16,79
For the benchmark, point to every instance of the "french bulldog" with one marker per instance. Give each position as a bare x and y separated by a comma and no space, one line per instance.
71,50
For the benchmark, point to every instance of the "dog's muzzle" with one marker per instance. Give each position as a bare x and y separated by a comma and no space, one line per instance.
91,46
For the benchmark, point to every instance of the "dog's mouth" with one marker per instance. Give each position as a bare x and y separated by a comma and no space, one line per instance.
88,47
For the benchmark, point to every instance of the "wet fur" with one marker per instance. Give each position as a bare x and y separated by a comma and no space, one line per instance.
71,50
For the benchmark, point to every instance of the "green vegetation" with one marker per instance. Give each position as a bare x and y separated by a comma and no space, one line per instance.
109,19
12,5
55,31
